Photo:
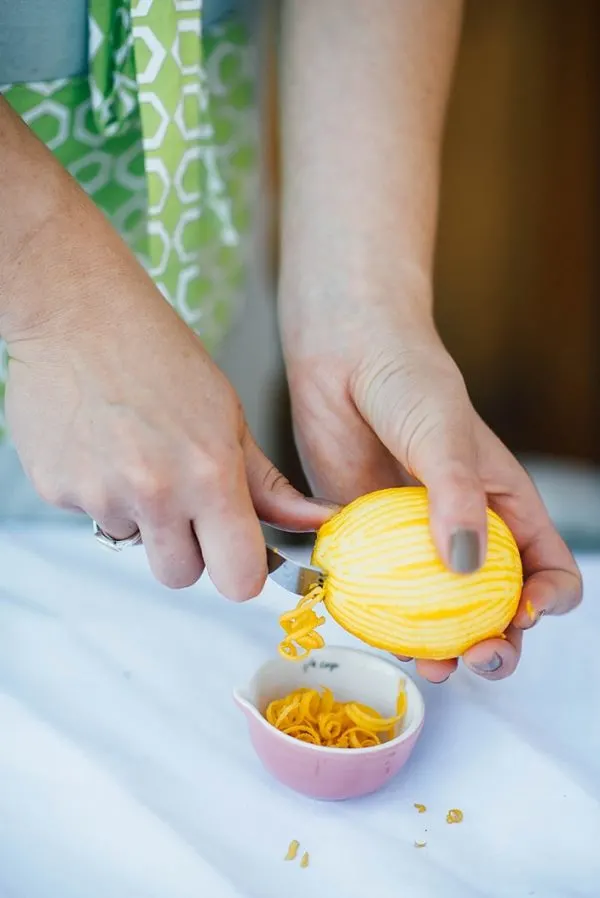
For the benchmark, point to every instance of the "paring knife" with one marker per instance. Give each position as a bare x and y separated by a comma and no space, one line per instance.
292,575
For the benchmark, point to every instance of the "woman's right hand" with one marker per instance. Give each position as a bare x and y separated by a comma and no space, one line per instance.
121,413
115,407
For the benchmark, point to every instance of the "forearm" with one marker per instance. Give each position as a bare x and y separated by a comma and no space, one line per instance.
52,237
30,183
364,91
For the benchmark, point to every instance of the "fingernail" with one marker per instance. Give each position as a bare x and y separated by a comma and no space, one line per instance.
464,551
532,621
540,615
494,664
439,682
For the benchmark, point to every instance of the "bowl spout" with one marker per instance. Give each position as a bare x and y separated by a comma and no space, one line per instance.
244,703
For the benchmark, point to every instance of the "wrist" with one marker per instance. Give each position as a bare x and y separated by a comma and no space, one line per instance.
70,273
43,275
344,309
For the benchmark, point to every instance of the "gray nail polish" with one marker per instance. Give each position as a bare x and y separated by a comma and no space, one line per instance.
465,551
532,623
539,617
494,664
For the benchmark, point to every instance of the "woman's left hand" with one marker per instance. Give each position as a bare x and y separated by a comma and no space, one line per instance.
377,401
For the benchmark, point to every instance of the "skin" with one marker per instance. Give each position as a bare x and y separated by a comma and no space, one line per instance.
115,407
377,401
117,410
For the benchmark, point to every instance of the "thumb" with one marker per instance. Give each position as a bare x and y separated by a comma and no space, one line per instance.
435,440
275,500
445,462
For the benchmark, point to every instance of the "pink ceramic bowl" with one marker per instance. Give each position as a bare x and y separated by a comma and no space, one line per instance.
332,773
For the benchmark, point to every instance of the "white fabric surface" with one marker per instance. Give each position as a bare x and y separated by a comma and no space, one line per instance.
125,771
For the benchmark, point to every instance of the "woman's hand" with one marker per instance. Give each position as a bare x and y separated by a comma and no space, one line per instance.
114,406
376,398
123,415
377,401
129,421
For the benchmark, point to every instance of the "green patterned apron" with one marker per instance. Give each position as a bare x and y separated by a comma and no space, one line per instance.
161,134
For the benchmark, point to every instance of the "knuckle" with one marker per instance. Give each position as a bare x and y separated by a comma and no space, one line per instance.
95,501
464,490
48,491
150,490
52,493
461,477
214,471
47,487
274,481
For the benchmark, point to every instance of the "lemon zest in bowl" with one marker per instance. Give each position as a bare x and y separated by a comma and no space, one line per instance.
314,716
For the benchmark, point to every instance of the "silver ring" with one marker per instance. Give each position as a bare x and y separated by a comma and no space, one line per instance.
117,545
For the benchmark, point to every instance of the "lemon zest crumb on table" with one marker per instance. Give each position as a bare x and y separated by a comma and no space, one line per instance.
292,850
454,815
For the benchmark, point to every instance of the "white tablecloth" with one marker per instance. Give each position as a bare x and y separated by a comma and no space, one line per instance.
125,771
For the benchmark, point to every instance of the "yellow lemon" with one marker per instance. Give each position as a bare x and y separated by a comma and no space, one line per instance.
386,583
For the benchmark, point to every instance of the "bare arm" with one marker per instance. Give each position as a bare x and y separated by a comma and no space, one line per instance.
375,396
30,182
56,247
364,91
114,406
34,191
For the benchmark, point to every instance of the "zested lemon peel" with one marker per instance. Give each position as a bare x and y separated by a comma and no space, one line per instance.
386,584
300,627
454,815
292,853
317,718
292,850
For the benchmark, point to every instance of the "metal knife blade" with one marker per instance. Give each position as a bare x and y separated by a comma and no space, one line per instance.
291,575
